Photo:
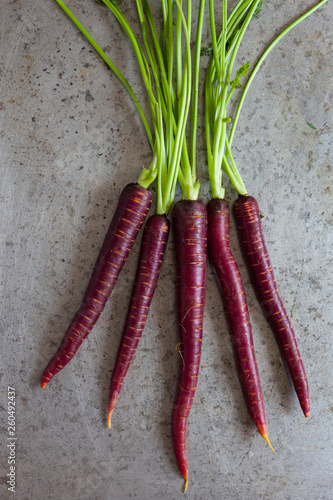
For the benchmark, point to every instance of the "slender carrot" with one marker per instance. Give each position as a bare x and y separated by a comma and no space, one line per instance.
134,203
237,311
190,229
153,246
256,255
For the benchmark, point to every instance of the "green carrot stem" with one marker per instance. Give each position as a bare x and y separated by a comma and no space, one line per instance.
233,172
214,39
168,91
195,89
184,100
179,52
142,62
223,76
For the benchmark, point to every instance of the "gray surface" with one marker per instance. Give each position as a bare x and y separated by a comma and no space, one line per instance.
70,139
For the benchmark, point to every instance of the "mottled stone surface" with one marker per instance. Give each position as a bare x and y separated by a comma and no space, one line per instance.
70,138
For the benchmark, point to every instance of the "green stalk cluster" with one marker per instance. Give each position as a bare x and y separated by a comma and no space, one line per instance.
219,88
169,94
171,81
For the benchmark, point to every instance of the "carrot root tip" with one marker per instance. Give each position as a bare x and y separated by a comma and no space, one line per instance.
264,435
109,419
306,413
43,385
186,484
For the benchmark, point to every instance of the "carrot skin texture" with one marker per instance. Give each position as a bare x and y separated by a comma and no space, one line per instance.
236,308
256,254
152,251
190,229
133,206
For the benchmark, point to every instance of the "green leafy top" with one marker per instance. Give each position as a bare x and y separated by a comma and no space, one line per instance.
242,71
219,88
206,51
169,102
258,9
225,49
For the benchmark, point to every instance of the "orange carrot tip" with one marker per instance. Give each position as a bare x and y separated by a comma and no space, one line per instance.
109,419
185,485
264,435
43,385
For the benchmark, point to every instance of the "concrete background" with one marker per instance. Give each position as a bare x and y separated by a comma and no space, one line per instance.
70,139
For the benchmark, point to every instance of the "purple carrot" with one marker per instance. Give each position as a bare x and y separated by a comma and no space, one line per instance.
255,252
190,227
237,311
133,206
153,246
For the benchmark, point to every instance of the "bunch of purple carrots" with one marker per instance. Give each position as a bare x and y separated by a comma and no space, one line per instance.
170,76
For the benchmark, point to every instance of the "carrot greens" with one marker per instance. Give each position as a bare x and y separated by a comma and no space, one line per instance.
219,88
166,132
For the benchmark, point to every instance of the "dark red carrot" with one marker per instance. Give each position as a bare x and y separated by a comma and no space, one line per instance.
237,311
153,246
133,205
190,229
255,252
